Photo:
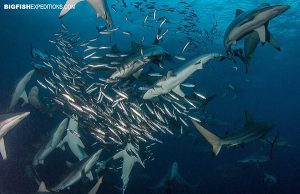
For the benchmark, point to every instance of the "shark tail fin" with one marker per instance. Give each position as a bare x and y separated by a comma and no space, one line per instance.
69,4
214,140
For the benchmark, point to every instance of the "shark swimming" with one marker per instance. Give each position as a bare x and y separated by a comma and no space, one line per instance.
20,92
37,54
173,177
77,171
173,80
255,158
130,157
7,123
253,26
52,143
33,98
250,132
100,6
73,139
134,65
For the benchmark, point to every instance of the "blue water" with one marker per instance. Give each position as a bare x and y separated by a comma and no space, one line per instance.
270,91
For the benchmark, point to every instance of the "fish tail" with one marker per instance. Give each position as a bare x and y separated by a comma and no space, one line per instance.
214,140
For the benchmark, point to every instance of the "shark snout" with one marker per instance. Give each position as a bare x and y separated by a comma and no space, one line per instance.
279,9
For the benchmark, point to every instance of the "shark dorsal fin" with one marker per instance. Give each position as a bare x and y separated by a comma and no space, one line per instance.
238,12
248,118
170,74
264,4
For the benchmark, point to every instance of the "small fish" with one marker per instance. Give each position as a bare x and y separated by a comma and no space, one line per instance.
180,58
185,46
188,85
154,15
126,33
104,47
146,18
200,95
162,23
155,74
88,56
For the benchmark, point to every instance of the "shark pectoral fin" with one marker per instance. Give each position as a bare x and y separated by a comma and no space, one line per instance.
214,141
69,4
89,175
118,155
250,44
42,188
2,149
79,143
261,33
61,144
138,159
178,91
96,5
24,97
138,74
273,42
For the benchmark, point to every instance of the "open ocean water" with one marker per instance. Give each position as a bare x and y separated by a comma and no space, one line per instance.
269,91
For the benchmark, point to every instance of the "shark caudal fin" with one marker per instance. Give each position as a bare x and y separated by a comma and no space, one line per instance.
214,141
68,6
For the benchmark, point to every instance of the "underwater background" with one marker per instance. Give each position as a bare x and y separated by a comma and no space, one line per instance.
270,91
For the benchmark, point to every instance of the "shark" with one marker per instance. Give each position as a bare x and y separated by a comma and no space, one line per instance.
100,7
77,171
52,143
172,81
269,179
73,139
7,123
132,63
20,92
280,142
130,157
33,98
173,177
255,158
37,54
250,132
253,26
